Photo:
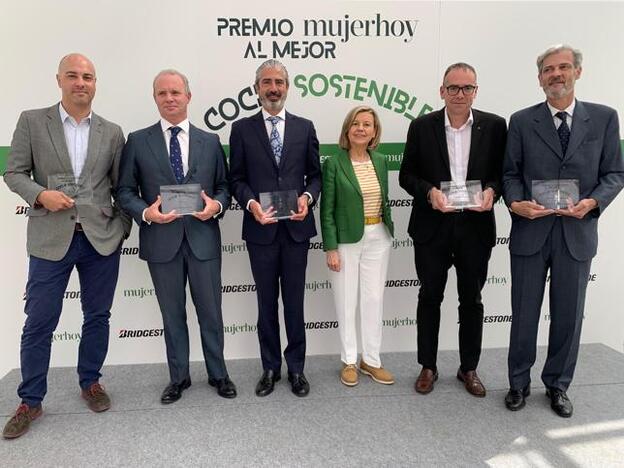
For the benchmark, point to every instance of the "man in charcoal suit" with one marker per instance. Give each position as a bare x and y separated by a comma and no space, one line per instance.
179,248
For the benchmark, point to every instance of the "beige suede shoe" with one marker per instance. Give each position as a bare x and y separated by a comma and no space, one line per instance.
378,374
349,375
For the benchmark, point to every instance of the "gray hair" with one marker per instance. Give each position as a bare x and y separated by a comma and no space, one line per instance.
171,71
271,63
576,55
461,66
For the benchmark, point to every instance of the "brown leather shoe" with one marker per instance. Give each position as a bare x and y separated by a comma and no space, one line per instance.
20,422
424,382
96,398
471,382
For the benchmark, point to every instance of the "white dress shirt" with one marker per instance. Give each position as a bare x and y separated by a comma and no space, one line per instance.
568,110
183,139
76,138
458,145
281,123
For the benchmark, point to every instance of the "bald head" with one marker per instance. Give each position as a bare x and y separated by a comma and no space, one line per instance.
70,59
76,78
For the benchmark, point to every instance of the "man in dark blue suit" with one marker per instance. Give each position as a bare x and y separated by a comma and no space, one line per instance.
179,248
277,151
560,139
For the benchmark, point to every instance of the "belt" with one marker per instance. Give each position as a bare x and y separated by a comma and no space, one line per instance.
78,227
372,220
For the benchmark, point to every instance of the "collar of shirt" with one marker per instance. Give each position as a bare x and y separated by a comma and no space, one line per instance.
281,114
185,125
447,122
568,110
65,116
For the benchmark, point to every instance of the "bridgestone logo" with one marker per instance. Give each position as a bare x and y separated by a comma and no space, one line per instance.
148,333
321,325
405,283
496,318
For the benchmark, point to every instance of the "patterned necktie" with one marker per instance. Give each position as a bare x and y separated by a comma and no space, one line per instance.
274,139
175,155
563,131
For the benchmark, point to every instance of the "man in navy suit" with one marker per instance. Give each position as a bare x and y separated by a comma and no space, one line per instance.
276,151
179,248
562,138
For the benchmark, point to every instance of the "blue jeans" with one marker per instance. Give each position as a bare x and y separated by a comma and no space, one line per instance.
47,282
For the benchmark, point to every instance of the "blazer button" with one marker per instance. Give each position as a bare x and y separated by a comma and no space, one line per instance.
72,217
279,179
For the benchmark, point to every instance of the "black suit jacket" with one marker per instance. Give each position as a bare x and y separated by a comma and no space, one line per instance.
253,169
426,163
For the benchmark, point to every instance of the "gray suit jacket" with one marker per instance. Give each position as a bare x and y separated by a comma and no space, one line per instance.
594,157
38,150
145,167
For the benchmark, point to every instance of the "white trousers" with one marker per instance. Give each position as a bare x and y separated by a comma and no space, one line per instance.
363,270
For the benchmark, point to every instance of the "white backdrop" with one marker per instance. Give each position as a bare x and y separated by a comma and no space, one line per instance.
397,48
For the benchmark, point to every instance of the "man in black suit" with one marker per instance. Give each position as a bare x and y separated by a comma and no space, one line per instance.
272,151
562,138
455,144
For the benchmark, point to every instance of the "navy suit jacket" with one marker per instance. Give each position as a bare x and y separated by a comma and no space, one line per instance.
253,169
426,163
594,157
145,167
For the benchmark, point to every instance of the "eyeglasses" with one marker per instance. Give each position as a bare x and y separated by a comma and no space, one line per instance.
468,90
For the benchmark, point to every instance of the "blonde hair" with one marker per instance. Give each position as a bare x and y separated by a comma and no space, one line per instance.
344,142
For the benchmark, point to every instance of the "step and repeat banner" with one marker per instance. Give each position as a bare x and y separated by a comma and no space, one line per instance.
389,55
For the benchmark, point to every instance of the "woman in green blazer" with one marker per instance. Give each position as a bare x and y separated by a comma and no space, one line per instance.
357,235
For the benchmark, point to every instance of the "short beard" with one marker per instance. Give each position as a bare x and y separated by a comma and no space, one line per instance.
273,106
557,94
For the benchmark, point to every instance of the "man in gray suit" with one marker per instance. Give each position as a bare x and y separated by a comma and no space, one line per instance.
179,248
562,138
64,163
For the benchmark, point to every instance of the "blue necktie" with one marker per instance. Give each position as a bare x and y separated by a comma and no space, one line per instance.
563,131
175,155
274,139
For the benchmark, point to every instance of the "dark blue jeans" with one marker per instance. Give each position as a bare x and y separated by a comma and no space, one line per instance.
47,282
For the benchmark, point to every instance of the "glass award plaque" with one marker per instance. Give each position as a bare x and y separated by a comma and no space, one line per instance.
555,194
184,199
283,203
461,195
79,189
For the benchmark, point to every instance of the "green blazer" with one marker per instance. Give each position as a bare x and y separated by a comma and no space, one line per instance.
342,205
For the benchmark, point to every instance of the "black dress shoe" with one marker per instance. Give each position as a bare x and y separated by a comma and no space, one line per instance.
559,402
299,384
225,387
515,399
173,391
267,382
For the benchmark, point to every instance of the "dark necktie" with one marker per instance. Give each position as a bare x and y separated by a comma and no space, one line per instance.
563,131
175,155
274,139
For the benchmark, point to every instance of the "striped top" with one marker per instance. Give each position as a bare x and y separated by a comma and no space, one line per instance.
369,185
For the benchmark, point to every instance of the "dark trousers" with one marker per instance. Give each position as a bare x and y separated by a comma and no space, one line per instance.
282,263
568,284
47,282
204,278
460,245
